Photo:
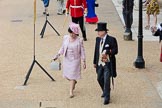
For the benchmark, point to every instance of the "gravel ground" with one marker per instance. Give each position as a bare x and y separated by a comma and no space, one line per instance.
135,88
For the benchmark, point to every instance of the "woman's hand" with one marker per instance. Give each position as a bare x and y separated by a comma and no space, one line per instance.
84,65
55,57
153,29
147,2
85,10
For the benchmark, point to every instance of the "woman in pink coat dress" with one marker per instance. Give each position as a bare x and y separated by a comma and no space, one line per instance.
73,52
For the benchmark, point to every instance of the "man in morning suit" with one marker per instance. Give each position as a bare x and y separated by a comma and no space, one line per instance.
104,59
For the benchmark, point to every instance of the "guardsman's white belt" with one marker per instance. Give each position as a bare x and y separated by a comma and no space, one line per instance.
76,6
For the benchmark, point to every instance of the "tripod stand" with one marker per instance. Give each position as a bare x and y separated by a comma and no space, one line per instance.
44,27
35,61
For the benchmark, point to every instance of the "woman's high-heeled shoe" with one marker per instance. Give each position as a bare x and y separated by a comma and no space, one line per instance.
71,96
147,27
153,29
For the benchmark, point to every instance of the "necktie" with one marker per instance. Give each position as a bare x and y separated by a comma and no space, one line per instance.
101,42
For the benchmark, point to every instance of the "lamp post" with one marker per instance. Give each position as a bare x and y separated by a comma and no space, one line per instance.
128,32
140,63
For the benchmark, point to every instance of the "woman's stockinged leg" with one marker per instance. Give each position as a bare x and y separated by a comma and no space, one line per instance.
72,87
148,19
155,20
148,22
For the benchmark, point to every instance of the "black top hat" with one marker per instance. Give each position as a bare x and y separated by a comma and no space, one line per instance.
101,26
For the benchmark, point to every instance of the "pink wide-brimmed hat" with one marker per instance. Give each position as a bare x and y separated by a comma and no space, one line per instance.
74,27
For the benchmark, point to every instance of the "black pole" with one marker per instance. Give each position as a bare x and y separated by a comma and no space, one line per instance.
34,60
44,27
140,63
128,32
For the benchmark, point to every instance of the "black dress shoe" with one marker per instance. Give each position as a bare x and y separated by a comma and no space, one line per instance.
106,102
59,13
44,13
63,11
85,39
102,96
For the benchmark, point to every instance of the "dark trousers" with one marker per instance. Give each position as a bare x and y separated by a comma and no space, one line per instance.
103,78
130,17
80,20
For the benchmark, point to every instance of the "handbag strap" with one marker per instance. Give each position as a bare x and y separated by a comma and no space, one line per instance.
58,59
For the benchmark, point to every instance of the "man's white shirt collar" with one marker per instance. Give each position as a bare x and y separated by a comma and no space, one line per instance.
104,38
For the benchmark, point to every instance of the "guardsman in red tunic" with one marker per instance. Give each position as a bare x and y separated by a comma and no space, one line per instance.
77,9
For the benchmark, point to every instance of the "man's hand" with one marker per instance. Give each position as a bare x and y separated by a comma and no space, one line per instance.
104,58
94,65
67,12
122,7
85,10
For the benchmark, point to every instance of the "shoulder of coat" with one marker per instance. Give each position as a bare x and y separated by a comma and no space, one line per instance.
80,39
66,36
